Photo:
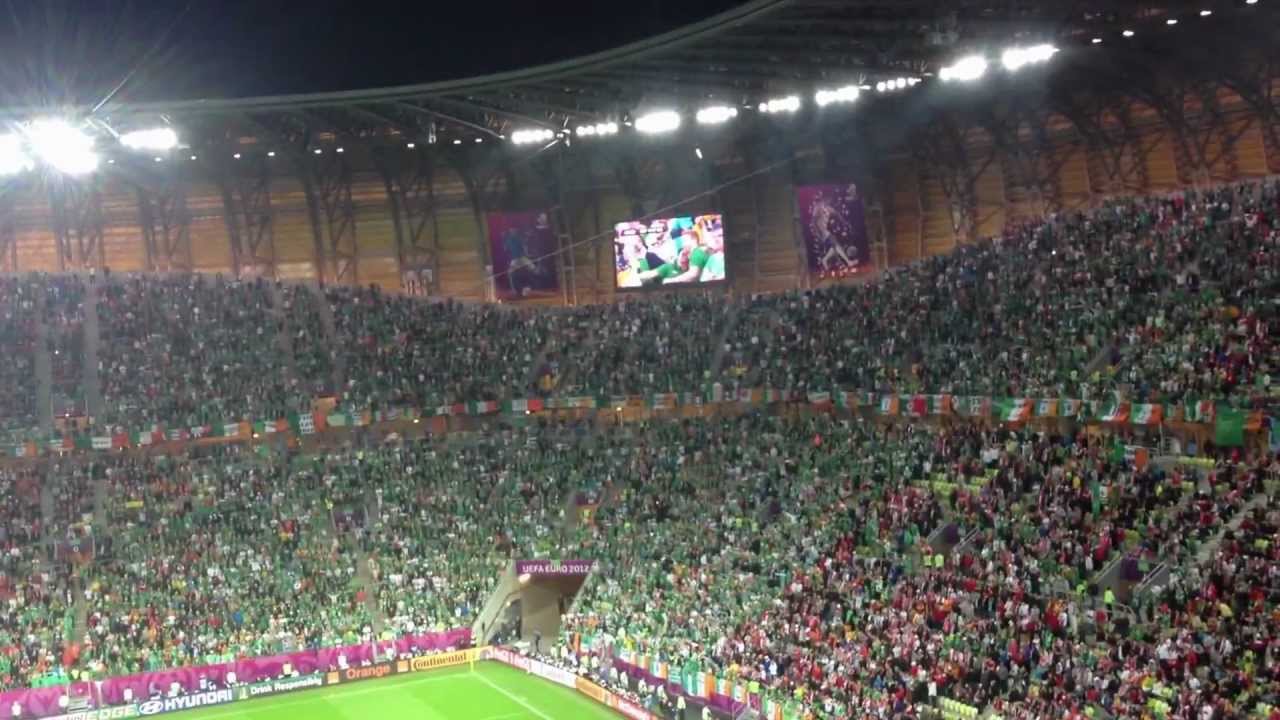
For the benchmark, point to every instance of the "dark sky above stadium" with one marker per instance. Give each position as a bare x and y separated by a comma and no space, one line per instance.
77,51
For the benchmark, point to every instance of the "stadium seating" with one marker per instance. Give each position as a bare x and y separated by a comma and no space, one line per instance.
802,553
189,350
17,373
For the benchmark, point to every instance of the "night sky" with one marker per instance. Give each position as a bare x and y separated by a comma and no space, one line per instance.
76,51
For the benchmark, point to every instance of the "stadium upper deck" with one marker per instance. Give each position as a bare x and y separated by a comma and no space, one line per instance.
393,186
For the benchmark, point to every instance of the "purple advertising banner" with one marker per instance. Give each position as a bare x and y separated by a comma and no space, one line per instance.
833,230
44,702
543,568
522,246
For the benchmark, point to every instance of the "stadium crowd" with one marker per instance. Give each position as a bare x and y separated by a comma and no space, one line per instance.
804,555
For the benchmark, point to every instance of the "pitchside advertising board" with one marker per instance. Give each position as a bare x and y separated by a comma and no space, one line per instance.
568,679
276,687
112,713
186,702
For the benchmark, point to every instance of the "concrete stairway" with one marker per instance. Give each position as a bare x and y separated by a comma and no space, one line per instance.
331,339
44,370
91,382
730,323
367,583
284,341
1209,549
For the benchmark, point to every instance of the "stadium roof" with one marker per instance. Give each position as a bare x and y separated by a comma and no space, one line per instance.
745,55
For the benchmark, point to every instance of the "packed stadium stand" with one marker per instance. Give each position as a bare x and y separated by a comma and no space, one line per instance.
821,577
1016,458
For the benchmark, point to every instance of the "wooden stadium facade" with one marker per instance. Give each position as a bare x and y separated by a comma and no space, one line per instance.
359,188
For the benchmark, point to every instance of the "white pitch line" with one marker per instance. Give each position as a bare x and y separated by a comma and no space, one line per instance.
516,698
312,697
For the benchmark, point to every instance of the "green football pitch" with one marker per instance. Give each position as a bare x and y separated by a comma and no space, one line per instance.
490,692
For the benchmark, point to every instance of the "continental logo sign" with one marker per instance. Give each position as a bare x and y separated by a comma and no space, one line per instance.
423,663
356,674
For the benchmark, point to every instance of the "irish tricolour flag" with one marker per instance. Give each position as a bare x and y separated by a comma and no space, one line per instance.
1147,414
1013,409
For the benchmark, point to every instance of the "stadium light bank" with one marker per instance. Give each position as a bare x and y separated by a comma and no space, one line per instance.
69,148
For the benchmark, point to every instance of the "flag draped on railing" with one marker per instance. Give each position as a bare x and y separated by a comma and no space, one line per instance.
1229,424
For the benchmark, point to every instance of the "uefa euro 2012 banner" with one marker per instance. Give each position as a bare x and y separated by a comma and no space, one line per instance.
554,568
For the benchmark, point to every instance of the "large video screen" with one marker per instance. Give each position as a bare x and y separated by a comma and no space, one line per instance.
686,250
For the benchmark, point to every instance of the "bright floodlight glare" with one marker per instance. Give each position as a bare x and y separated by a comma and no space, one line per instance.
716,114
63,147
1097,41
161,138
658,122
1127,33
526,137
789,104
1015,58
1250,2
965,69
846,94
13,159
1171,21
1206,13
698,152
597,130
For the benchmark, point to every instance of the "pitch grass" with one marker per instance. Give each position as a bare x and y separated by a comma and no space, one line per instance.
491,692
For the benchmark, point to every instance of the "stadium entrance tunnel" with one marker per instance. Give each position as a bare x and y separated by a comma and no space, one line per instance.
529,602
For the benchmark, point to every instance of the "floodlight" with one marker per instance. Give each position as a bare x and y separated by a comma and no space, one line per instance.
161,138
1097,41
525,137
658,122
1171,21
13,159
1127,33
788,104
716,114
965,69
846,94
1018,57
65,148
698,152
1206,13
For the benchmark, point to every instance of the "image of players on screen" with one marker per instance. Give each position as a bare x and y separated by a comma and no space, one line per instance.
670,251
